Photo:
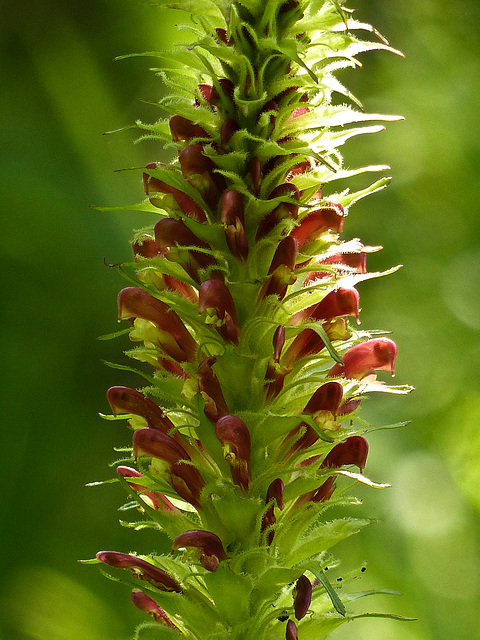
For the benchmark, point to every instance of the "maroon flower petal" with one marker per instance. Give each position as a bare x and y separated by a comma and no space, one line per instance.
366,358
209,545
235,440
141,569
126,400
302,597
148,605
353,451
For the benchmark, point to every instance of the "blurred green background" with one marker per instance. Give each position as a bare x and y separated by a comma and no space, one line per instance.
60,90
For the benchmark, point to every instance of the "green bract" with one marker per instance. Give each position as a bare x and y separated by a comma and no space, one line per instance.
243,309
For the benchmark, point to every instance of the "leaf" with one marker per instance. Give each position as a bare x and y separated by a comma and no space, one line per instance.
391,616
154,631
324,536
142,206
123,367
363,479
116,334
348,200
332,594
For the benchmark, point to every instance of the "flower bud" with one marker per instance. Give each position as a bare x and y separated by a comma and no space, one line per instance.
227,129
292,633
209,545
275,492
278,342
222,34
302,597
148,605
144,245
141,569
183,129
235,440
199,171
364,359
232,207
353,451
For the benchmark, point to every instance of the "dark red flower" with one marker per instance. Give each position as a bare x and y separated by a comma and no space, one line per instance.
172,335
181,201
353,451
323,407
281,211
182,476
232,216
318,222
302,597
235,440
215,405
209,545
154,499
184,130
322,494
198,169
174,235
281,270
364,359
148,605
141,569
274,494
215,298
126,400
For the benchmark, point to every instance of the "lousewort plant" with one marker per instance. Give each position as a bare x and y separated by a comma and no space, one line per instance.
244,314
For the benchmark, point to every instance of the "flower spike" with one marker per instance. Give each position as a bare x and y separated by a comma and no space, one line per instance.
244,315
